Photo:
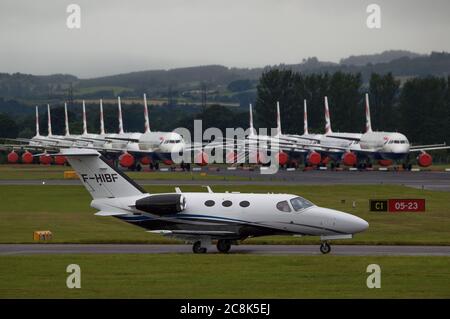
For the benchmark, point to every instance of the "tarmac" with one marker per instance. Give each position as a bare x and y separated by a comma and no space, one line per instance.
429,180
338,250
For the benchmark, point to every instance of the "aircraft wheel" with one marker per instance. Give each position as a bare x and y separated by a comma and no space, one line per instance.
223,246
197,248
325,248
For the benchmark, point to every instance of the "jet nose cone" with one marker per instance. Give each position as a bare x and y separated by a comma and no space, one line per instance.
359,225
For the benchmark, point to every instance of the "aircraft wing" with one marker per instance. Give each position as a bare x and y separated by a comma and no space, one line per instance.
424,148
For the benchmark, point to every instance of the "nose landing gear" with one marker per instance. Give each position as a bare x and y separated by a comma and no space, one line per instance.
325,247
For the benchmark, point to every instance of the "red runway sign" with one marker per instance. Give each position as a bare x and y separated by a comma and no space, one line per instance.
406,205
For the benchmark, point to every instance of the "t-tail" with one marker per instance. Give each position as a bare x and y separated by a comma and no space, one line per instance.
66,120
49,123
100,178
147,122
368,121
120,116
327,118
102,122
305,118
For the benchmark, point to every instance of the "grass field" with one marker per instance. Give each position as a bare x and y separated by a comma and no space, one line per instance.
65,211
54,172
223,276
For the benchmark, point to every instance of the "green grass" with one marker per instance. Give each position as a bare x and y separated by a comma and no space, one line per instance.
54,172
223,276
65,211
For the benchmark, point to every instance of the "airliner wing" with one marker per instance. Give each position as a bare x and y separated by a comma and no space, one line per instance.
428,148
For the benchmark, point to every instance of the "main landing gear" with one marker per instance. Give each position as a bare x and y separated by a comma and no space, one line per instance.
325,247
198,249
223,245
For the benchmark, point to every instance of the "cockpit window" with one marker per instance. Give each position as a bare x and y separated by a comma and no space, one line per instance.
300,203
284,206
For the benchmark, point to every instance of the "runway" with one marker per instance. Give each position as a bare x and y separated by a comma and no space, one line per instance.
430,180
338,250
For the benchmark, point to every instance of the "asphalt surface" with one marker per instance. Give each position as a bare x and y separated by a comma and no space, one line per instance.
430,180
340,250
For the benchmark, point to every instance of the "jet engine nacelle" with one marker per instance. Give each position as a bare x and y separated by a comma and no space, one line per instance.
45,159
424,159
27,158
283,158
349,159
126,160
13,157
313,158
162,204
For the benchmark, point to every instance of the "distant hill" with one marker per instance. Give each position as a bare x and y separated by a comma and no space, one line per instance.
187,84
383,57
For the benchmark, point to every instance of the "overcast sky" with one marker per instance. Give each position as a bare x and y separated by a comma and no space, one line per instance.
123,36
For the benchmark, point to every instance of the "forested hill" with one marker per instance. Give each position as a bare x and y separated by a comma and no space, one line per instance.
184,82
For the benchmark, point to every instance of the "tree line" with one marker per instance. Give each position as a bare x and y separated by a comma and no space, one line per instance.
419,107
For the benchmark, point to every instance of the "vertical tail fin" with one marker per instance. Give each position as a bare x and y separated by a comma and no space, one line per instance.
368,121
120,116
252,129
305,118
327,118
49,119
84,119
102,123
37,121
66,120
100,178
147,122
278,119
